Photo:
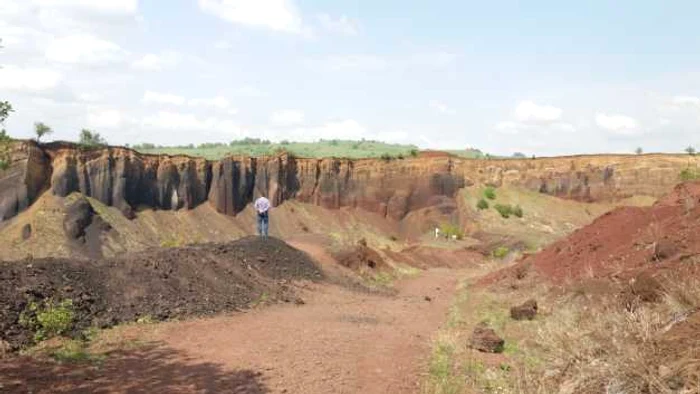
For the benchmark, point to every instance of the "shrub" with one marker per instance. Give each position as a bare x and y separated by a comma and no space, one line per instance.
504,210
449,230
501,252
482,204
518,211
48,319
414,152
490,193
386,157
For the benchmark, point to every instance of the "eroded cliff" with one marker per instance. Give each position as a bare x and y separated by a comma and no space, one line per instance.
129,181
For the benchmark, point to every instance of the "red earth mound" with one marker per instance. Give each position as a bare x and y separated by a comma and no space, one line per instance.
623,243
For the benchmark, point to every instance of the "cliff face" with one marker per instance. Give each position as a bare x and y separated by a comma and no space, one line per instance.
128,180
27,177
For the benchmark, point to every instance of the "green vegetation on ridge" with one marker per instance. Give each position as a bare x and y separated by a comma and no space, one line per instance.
258,147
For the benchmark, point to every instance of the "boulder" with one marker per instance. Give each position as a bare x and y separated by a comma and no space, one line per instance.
526,311
78,216
484,339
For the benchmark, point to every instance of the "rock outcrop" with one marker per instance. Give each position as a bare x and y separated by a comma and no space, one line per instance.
25,179
128,180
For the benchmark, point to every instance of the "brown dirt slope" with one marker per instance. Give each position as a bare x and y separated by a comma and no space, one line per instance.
626,241
159,284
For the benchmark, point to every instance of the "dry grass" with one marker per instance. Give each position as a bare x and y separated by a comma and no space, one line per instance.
581,342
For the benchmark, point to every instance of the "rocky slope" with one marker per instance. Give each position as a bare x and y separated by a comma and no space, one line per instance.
128,180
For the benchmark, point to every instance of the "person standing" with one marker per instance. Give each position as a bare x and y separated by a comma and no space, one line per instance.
262,207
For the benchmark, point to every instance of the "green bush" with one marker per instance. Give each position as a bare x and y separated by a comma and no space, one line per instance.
48,319
501,252
414,152
518,211
504,210
386,157
690,174
482,204
490,193
448,230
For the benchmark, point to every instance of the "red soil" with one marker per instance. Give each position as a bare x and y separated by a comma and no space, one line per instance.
624,242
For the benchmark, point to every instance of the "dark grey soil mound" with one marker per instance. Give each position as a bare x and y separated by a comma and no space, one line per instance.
159,284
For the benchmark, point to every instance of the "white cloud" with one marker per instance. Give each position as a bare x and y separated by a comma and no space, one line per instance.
104,118
287,117
83,49
218,103
685,101
157,62
89,97
101,6
28,79
527,111
342,25
358,62
279,15
337,129
511,127
441,107
215,102
150,97
619,124
433,59
166,120
223,45
249,91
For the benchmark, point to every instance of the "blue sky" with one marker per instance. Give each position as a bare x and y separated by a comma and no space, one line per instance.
539,77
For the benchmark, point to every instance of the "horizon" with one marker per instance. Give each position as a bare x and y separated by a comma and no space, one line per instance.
547,79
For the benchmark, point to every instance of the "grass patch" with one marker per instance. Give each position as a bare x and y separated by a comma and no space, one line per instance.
450,231
48,319
501,252
490,193
74,351
482,204
689,174
443,379
383,279
406,271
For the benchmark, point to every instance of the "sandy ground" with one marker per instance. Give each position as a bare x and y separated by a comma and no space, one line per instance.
340,341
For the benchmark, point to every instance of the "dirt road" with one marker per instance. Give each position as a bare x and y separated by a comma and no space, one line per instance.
340,341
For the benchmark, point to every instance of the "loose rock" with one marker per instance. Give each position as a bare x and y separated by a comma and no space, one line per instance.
526,311
484,339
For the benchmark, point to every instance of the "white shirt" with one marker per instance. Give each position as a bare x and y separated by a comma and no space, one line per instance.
262,205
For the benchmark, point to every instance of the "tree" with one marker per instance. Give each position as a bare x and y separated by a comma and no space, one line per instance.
5,109
690,150
639,150
519,155
90,138
40,129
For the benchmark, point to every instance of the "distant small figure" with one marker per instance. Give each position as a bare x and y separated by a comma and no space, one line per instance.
262,207
437,232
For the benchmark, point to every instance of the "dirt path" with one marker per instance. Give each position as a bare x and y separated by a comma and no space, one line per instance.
340,341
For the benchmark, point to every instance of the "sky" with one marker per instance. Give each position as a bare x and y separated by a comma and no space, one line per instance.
537,77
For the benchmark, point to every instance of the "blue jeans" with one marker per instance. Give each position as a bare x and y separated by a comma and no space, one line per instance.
263,223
